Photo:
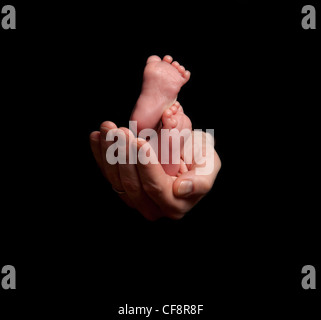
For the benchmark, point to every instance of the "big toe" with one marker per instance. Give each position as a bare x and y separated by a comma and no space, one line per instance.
153,58
168,119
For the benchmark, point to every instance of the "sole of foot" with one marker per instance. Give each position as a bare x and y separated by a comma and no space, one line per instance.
162,81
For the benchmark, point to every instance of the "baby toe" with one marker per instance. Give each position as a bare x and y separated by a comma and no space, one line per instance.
186,75
168,121
175,64
168,59
168,113
174,109
153,59
181,69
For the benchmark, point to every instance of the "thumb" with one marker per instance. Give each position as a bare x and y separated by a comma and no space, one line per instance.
190,184
193,182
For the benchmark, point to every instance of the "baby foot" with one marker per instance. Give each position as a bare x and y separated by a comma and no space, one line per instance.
162,81
173,118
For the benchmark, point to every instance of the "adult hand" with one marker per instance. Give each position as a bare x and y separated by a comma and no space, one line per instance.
147,187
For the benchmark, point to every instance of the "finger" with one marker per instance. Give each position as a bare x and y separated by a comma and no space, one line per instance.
152,175
94,139
132,185
158,185
110,170
190,183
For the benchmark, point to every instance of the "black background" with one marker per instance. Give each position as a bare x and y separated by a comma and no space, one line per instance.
76,247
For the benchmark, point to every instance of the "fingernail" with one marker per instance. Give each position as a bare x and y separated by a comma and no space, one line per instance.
185,187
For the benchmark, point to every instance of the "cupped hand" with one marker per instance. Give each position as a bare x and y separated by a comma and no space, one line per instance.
147,187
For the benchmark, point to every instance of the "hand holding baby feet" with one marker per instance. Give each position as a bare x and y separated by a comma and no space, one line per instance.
157,189
147,187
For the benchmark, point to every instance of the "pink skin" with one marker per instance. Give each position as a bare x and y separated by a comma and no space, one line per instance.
174,117
163,80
